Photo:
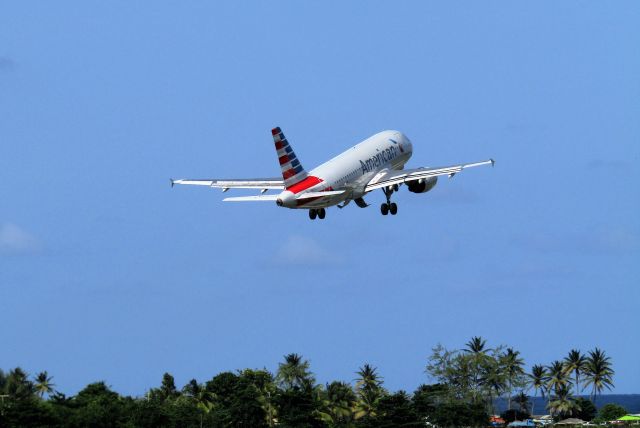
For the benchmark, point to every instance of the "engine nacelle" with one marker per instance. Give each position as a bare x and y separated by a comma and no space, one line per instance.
423,185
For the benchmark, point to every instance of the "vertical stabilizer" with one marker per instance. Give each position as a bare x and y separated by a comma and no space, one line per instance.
292,170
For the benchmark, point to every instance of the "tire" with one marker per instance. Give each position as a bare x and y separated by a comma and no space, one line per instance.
321,213
384,209
393,209
312,214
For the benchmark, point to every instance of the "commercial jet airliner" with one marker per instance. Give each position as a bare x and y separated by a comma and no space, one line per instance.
375,163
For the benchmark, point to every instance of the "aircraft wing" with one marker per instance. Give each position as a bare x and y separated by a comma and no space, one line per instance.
392,177
272,198
233,183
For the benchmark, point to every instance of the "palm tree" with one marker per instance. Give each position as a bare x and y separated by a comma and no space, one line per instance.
538,378
204,401
557,377
338,404
478,361
575,363
18,384
523,401
368,379
294,372
368,390
562,405
43,384
513,368
598,373
493,381
475,345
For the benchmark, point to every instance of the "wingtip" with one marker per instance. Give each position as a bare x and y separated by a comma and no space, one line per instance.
493,162
172,182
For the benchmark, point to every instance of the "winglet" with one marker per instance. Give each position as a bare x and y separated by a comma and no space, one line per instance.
172,182
493,163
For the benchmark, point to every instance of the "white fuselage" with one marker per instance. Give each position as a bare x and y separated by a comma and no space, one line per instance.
351,170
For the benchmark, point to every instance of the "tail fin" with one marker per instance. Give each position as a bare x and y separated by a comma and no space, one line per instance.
292,170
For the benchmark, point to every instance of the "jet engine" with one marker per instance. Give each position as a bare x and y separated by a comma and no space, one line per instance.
423,185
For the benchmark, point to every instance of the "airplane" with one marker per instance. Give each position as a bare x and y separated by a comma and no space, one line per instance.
375,163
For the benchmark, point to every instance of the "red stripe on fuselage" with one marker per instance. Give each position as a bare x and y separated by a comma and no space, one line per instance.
308,182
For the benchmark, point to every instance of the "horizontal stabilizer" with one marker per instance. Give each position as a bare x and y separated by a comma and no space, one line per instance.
258,198
234,183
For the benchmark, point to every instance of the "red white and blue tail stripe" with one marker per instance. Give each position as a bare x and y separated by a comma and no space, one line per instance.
292,170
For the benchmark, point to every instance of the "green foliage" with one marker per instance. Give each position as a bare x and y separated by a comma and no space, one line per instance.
611,412
369,391
294,372
586,410
455,414
468,382
427,398
97,406
562,405
396,410
514,415
598,373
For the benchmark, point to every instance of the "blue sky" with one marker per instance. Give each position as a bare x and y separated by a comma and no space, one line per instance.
108,273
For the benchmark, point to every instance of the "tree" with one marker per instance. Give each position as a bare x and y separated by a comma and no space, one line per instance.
598,373
294,372
338,404
586,410
43,384
575,363
479,364
522,400
562,405
538,381
200,397
514,370
511,415
298,407
475,345
98,406
395,410
168,388
494,379
452,368
18,386
611,412
369,391
427,397
456,413
556,379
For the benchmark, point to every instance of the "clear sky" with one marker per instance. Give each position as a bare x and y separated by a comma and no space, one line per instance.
108,273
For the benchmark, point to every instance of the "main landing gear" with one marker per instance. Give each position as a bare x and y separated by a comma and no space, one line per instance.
320,213
389,207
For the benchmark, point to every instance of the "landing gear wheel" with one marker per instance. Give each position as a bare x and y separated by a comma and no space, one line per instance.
384,209
321,213
393,208
312,214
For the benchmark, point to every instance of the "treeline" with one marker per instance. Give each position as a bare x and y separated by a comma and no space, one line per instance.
467,382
